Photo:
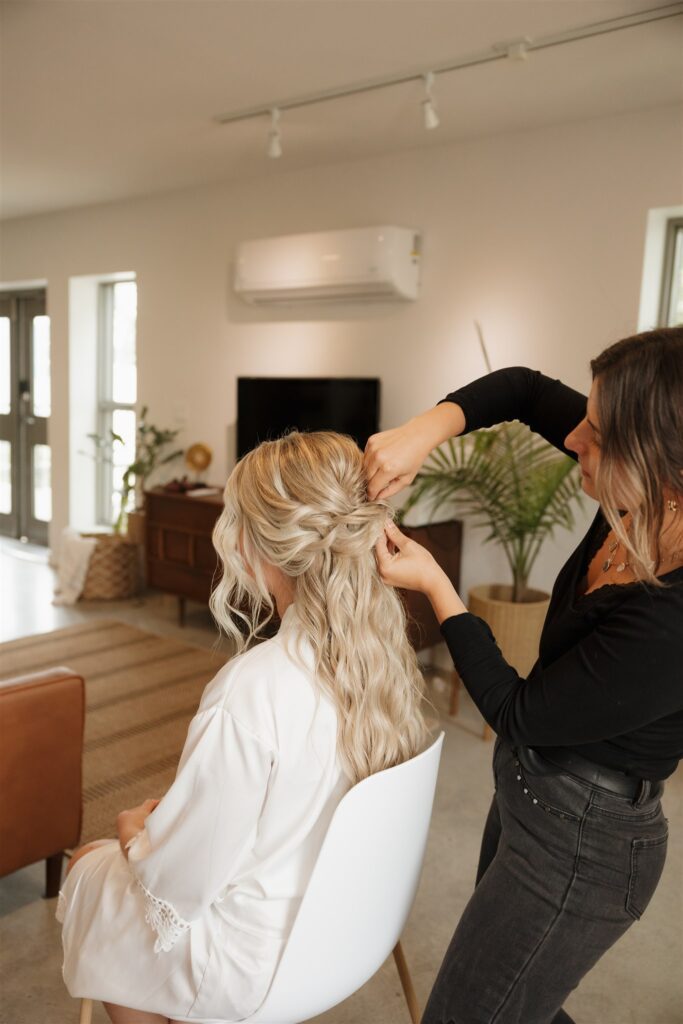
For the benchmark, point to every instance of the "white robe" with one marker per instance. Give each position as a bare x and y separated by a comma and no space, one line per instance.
193,924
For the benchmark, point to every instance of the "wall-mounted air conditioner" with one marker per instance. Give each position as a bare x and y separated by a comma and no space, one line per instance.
352,265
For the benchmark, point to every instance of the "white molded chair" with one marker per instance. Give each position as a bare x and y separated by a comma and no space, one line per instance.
359,896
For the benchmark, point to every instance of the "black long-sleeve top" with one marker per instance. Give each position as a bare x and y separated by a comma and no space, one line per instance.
608,682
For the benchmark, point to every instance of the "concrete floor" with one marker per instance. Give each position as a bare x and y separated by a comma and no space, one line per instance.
638,982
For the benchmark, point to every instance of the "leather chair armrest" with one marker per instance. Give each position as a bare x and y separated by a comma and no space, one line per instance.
42,717
42,678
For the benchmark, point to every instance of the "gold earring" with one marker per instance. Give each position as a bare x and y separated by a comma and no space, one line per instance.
672,505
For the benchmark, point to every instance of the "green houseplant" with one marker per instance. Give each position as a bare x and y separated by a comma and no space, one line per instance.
510,482
519,488
150,454
115,570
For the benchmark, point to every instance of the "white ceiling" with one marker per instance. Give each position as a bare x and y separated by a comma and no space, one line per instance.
105,99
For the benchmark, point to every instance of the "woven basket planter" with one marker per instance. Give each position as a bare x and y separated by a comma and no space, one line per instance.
516,626
114,569
135,527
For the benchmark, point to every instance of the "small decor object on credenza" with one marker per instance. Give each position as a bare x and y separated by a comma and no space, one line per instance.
198,458
182,486
190,488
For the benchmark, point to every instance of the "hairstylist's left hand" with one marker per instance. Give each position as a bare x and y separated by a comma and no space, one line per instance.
404,563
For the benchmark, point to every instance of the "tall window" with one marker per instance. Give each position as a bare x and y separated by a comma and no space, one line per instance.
117,387
671,312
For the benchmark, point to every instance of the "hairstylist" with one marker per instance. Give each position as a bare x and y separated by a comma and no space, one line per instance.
575,840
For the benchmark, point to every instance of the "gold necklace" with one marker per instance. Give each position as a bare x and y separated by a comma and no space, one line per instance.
606,565
672,506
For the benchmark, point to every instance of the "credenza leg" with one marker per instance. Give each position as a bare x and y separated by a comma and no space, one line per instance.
181,611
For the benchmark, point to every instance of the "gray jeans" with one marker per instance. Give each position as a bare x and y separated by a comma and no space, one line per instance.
565,870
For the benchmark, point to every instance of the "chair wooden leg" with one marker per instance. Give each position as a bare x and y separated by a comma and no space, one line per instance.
406,983
455,694
53,874
86,1012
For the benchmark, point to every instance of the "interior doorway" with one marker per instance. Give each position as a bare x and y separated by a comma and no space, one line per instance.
25,457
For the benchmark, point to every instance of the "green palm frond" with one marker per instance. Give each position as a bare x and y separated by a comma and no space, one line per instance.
508,481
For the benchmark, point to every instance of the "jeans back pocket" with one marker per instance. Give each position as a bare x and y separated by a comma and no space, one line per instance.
647,863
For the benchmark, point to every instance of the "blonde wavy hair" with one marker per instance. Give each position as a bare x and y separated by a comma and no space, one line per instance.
640,406
300,504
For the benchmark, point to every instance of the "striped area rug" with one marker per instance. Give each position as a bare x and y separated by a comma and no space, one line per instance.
141,692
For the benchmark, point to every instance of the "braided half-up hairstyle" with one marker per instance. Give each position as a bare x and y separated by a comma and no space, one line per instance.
300,504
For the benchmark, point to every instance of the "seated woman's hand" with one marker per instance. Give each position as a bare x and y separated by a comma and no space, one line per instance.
83,850
132,821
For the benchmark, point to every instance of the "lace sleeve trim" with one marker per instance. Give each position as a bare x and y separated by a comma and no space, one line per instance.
164,919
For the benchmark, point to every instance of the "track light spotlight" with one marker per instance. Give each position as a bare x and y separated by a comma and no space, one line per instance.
274,140
429,114
515,49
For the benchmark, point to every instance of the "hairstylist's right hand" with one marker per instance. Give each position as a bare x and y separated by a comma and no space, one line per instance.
394,457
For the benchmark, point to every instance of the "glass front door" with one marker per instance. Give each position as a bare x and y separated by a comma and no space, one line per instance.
25,457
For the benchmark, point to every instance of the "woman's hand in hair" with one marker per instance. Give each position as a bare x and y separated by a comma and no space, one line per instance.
393,458
404,563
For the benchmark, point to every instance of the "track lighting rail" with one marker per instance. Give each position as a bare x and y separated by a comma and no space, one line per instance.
515,49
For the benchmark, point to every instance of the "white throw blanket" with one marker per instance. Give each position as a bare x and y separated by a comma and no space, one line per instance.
74,559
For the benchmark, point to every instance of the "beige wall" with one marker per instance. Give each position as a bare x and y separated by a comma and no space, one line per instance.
538,235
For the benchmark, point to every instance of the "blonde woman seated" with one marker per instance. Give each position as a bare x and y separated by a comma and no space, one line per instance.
186,916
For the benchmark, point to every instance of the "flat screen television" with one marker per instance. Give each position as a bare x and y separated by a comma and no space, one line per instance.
267,407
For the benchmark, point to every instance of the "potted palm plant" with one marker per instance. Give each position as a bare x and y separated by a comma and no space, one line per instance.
519,489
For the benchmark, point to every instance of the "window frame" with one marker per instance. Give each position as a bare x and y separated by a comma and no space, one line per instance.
106,406
674,227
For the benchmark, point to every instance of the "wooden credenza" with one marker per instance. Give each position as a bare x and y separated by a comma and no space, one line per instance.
444,542
181,560
179,556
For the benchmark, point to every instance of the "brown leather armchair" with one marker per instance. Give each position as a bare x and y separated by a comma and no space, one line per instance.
41,750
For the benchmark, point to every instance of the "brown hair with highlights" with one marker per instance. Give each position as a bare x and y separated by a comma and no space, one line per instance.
640,406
